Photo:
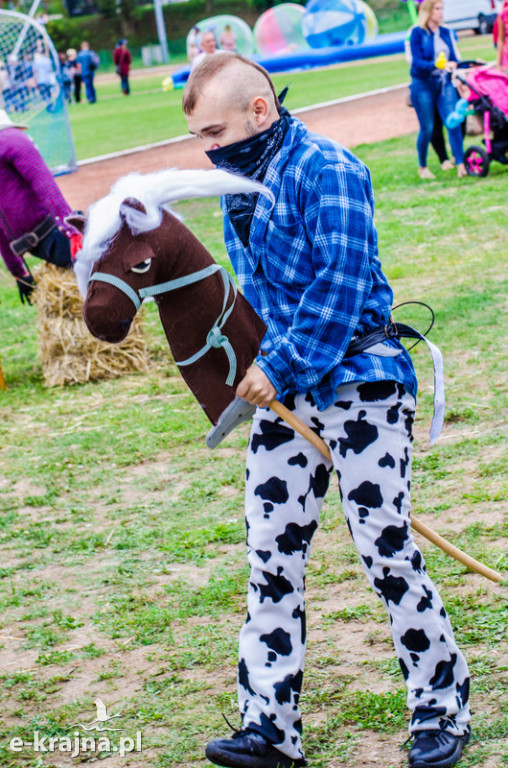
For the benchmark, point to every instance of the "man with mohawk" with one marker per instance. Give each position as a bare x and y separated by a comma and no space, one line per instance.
309,265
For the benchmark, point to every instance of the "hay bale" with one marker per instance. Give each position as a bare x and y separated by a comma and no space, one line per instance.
68,352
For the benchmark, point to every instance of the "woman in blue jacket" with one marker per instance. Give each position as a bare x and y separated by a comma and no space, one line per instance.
431,85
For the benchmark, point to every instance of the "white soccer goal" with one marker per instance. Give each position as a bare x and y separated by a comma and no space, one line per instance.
31,89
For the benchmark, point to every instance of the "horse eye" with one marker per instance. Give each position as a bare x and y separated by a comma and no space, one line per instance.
142,267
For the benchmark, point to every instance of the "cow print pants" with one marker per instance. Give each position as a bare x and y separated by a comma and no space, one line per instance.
369,432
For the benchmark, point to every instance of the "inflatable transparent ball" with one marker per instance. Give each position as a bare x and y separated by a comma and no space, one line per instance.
279,30
372,25
241,37
334,23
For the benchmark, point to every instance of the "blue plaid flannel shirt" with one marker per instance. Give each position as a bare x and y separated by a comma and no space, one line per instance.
312,272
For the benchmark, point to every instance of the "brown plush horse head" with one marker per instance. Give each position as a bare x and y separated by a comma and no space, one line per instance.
134,248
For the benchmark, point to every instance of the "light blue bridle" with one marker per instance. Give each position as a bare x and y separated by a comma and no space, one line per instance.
215,338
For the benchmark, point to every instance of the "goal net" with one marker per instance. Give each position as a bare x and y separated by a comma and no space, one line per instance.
31,88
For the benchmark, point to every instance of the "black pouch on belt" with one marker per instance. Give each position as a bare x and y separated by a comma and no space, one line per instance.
46,242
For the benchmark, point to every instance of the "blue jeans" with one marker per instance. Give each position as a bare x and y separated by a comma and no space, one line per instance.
426,95
124,81
89,87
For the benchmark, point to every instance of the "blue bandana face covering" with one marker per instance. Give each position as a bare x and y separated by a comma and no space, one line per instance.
249,157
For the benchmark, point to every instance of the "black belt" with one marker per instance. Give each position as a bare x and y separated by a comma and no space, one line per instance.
397,331
383,332
32,239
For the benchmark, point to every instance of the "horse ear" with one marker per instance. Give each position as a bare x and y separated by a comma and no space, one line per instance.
76,220
131,202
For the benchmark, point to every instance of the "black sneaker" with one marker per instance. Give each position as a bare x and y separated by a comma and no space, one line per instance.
248,749
436,749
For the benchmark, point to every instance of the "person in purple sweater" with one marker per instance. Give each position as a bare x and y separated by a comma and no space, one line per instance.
32,208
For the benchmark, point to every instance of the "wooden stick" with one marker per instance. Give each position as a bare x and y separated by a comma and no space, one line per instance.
452,550
417,525
3,385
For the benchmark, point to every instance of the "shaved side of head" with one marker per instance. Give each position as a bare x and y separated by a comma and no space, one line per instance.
231,79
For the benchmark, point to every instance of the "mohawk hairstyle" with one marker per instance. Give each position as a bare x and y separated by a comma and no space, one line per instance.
207,70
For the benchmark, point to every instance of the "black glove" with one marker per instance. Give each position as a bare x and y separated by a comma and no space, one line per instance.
26,285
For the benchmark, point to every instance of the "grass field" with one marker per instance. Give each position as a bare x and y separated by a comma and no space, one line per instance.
122,567
149,114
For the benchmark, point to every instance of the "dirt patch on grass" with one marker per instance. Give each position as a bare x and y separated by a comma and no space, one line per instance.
378,751
25,488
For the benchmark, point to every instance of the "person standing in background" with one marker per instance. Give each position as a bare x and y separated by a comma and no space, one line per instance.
193,43
88,61
122,59
437,139
75,69
208,46
18,77
65,77
44,75
5,86
227,40
431,85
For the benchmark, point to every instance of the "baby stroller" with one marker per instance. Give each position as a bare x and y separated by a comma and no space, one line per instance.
486,90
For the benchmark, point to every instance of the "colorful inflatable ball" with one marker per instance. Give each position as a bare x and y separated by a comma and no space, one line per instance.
231,33
328,23
370,16
279,30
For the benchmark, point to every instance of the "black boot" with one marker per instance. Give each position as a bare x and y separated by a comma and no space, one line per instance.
436,749
248,749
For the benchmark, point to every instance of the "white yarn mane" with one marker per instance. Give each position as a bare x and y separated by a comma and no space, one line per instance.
156,191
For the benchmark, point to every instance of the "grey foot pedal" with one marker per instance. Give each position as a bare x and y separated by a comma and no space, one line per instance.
236,412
